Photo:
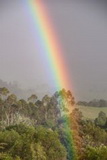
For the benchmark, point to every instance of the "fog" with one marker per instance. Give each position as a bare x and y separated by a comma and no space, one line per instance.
82,30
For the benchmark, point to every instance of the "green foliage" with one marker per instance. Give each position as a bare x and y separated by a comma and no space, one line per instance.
4,91
101,120
67,141
32,98
96,153
5,157
28,143
44,129
95,134
50,141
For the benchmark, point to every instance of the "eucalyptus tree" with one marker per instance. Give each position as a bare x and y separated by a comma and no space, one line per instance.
10,105
33,98
45,101
4,92
101,120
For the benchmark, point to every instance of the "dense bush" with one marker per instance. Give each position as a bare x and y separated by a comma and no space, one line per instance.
28,143
44,129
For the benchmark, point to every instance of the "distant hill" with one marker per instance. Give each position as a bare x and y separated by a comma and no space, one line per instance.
14,88
17,90
94,103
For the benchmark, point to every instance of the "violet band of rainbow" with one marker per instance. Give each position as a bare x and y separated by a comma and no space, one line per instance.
50,45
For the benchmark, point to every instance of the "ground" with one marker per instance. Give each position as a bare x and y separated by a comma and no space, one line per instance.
90,112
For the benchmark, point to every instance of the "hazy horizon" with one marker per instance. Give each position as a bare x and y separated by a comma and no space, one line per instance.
82,31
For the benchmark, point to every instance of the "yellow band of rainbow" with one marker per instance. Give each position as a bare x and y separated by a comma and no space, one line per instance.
50,44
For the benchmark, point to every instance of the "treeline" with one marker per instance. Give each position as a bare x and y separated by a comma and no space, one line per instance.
14,87
23,93
36,129
45,130
47,111
93,103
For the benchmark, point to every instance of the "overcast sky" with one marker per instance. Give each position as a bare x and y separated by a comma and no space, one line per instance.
82,29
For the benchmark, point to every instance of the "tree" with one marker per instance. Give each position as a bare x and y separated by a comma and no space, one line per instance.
46,101
49,140
96,153
32,98
76,127
11,99
101,120
23,142
4,92
6,156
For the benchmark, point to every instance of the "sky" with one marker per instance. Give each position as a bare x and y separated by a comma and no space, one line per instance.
81,27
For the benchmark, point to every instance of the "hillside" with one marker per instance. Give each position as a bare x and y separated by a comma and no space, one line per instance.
91,112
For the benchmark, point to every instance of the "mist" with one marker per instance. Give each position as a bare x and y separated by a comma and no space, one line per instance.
82,30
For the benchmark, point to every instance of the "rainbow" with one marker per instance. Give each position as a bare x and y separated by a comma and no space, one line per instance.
50,45
51,48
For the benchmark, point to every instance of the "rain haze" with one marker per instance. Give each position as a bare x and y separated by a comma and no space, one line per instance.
82,30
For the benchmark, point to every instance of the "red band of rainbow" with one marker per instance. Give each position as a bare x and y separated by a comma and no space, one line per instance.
49,43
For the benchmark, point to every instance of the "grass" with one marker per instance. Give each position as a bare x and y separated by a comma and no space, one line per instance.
91,112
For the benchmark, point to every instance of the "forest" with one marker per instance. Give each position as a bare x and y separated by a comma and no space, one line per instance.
94,103
35,129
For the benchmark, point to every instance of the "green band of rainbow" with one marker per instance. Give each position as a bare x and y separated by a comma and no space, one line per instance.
49,43
51,48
